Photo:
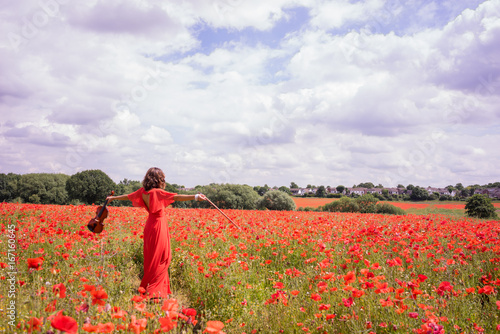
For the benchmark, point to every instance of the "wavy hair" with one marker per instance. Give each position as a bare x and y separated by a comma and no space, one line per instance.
154,178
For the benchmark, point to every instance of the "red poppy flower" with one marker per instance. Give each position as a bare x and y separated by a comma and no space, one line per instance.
117,313
35,263
170,305
189,312
137,299
386,302
98,297
324,307
444,286
470,290
64,323
87,287
59,290
278,285
51,307
140,306
487,290
90,328
350,277
108,327
348,302
167,324
35,324
316,297
357,293
413,315
137,325
214,327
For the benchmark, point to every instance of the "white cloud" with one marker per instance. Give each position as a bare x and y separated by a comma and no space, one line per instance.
157,136
336,101
335,14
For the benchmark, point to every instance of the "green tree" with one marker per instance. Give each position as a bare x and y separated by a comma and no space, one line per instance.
43,188
277,200
445,198
366,203
126,187
345,204
89,186
293,185
480,206
340,188
9,185
321,192
419,194
261,190
368,185
226,196
386,208
285,190
434,196
469,191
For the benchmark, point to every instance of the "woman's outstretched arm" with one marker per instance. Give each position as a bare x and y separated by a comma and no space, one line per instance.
120,198
198,197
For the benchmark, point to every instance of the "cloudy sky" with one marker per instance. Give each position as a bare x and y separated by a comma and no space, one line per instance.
321,92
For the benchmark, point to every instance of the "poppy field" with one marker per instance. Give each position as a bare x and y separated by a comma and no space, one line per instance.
283,272
426,207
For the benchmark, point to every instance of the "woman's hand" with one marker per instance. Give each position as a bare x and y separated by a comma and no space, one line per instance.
200,197
110,198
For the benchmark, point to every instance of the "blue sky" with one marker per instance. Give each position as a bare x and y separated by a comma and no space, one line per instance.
261,92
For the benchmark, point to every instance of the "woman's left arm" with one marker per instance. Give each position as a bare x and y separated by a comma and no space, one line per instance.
198,197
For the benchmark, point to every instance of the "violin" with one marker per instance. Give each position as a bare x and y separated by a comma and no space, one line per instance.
96,224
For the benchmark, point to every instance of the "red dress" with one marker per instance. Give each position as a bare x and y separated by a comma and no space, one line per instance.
157,254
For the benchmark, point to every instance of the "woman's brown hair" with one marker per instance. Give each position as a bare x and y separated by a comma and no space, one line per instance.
154,178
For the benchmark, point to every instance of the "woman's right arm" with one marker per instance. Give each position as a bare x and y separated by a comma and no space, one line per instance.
119,198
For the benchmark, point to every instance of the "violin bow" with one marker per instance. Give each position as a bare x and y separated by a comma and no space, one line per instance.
215,206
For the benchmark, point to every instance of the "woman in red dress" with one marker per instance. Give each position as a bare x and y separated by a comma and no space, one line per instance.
157,253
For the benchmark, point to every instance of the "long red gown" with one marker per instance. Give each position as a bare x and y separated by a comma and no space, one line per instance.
157,253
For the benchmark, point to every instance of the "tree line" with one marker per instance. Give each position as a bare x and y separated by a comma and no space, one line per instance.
413,193
93,186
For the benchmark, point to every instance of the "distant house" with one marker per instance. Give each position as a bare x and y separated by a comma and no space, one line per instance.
481,191
302,191
331,190
357,191
440,191
395,191
296,191
374,191
494,193
490,192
